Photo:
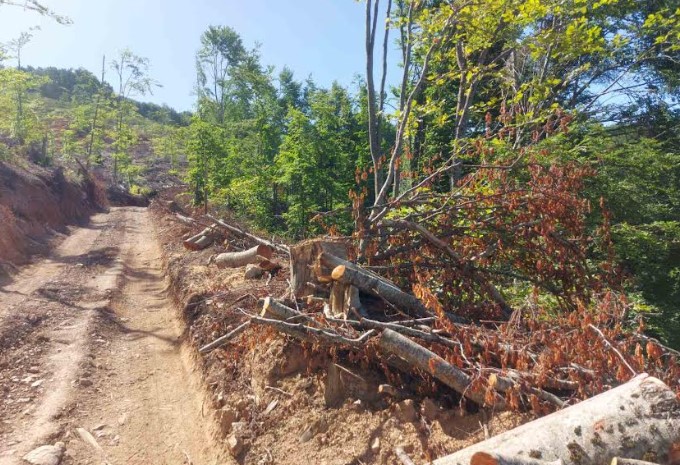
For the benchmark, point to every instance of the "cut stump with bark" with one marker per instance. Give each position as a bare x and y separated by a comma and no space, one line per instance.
303,262
639,419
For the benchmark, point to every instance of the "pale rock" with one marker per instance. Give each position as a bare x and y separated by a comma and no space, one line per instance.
85,382
235,445
319,426
406,411
375,446
429,410
46,455
226,418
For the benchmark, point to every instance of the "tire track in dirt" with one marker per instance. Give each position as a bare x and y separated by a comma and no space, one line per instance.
114,363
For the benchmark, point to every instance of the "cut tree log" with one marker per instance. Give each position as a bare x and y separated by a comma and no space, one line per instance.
258,240
274,309
304,267
337,300
185,219
640,418
201,240
625,461
351,274
256,254
421,358
487,458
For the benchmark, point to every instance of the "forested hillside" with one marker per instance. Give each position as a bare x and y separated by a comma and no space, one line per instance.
498,109
64,116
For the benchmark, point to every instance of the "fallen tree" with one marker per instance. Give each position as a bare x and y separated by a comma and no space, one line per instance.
423,359
201,240
258,240
348,273
640,418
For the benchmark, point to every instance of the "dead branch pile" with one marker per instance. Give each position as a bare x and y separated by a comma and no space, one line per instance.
343,308
340,305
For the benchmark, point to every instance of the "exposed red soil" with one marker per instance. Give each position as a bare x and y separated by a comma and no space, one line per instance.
37,203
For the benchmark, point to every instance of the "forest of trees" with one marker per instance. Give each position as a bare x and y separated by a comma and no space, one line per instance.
529,153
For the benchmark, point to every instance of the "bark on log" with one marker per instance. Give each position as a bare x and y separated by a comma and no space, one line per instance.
185,219
201,240
490,458
625,461
197,243
246,257
348,273
278,247
640,418
303,266
316,335
274,309
337,300
423,359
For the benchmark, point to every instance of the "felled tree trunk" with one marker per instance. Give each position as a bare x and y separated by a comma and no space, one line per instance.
484,458
421,358
239,232
304,267
640,418
351,274
201,240
274,309
256,254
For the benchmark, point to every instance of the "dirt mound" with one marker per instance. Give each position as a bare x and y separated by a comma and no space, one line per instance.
273,399
37,203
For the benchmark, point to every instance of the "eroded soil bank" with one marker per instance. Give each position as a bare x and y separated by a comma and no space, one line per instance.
39,203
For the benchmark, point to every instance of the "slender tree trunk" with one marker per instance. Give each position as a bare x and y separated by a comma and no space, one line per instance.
373,124
93,129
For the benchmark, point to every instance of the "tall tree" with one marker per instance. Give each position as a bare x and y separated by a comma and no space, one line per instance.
132,73
221,51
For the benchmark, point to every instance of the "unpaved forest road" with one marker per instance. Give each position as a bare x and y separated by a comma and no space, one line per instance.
90,339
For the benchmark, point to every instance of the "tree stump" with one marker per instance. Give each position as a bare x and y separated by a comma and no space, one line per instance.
303,263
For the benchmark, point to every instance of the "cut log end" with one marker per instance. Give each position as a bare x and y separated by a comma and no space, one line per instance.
338,272
265,306
625,461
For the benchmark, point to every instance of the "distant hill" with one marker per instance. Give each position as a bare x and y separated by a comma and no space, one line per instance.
81,85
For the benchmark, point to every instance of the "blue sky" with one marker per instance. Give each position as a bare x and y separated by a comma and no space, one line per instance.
319,37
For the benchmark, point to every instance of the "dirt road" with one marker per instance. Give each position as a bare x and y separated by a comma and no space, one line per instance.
89,340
